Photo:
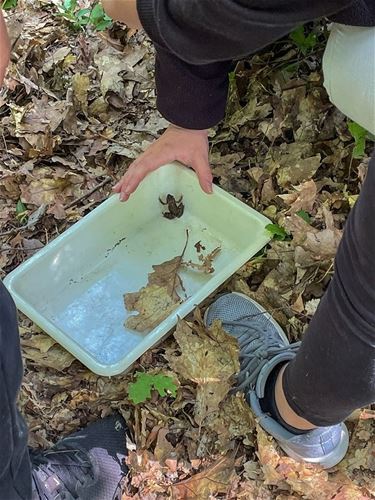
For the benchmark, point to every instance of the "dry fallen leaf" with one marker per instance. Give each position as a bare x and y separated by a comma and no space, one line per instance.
166,275
303,199
313,245
42,350
233,419
206,265
209,358
212,481
153,303
308,480
80,84
161,296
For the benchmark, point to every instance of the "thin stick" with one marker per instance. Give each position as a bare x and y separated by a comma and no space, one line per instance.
14,230
89,193
180,262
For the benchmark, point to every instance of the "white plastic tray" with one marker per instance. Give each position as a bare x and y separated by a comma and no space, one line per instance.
73,288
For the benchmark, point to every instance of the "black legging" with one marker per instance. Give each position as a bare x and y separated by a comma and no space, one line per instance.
334,370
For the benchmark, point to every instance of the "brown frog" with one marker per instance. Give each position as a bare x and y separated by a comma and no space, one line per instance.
175,207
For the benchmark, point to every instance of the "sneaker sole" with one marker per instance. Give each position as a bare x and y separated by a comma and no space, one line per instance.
325,461
261,310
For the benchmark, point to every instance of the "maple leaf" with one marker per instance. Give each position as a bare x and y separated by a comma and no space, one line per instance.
140,390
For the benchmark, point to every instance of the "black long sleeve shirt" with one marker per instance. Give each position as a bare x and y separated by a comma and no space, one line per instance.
196,41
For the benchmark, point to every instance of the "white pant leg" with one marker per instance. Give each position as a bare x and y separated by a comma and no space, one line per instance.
349,72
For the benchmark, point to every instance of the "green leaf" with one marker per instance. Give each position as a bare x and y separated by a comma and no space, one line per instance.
277,232
9,4
97,13
99,19
20,208
140,390
103,25
359,135
303,42
70,4
83,13
304,215
21,212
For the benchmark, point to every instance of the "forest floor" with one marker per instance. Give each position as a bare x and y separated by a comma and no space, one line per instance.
77,108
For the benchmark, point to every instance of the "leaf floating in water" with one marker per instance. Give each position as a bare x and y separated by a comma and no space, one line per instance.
153,303
206,262
162,294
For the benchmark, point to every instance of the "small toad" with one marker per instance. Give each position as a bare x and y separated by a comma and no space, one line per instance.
175,207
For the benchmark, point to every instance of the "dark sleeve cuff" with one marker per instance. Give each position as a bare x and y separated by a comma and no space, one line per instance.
146,13
192,97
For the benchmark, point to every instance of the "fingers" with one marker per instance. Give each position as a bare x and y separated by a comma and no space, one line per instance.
203,170
139,169
135,174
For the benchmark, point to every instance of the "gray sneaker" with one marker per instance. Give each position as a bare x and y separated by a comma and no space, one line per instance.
263,345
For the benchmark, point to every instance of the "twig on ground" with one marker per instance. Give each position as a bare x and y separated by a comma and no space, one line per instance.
89,193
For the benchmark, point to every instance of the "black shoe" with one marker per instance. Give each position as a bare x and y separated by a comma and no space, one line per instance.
88,465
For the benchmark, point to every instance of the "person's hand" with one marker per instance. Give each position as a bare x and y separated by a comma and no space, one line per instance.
190,147
4,49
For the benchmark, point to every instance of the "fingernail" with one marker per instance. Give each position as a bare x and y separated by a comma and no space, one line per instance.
124,196
209,188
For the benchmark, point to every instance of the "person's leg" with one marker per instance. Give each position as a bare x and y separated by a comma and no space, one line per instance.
89,465
334,371
15,469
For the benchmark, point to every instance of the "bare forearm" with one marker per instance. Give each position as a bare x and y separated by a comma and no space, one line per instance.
4,48
124,11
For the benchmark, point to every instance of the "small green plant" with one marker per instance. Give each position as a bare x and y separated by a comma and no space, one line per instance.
140,390
304,215
9,4
277,232
359,135
80,18
305,43
21,212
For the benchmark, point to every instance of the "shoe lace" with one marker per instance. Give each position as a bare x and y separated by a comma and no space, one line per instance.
257,347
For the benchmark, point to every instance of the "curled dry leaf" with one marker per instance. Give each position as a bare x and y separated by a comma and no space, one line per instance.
208,357
166,275
313,245
158,299
303,198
